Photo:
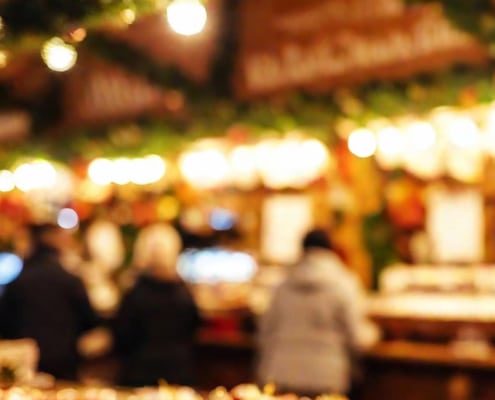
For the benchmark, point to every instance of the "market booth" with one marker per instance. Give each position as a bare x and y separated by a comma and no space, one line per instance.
375,122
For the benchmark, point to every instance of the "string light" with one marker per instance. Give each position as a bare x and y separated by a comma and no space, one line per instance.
58,55
186,17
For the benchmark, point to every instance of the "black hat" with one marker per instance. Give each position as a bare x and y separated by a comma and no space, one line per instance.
317,238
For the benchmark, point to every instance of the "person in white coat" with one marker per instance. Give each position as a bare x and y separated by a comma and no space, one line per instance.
315,325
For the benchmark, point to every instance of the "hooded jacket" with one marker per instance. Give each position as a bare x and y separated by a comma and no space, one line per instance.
310,331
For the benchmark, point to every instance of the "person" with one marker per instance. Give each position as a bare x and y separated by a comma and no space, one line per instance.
48,304
311,333
156,323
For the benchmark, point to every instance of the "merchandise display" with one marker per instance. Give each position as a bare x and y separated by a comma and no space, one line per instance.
162,391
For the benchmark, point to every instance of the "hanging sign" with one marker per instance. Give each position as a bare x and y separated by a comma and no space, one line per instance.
14,125
318,45
96,92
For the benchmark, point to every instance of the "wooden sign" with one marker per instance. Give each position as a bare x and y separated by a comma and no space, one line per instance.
319,45
14,125
96,91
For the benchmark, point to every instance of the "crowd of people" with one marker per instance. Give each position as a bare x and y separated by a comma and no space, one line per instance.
309,339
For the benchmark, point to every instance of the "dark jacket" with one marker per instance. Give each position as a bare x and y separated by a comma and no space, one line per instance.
154,332
50,305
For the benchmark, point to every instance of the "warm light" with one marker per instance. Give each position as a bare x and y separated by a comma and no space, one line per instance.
35,175
186,17
121,171
58,55
147,170
420,136
362,143
100,171
7,182
78,34
463,132
206,169
275,160
465,165
291,162
4,58
128,15
390,146
427,164
67,218
243,165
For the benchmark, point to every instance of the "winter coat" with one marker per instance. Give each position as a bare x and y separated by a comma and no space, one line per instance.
50,305
308,335
154,333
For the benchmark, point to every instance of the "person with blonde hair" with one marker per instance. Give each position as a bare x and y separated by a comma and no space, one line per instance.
157,319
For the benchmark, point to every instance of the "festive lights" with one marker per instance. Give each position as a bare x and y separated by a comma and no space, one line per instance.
58,55
186,17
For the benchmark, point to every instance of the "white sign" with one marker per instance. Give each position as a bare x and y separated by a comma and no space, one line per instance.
455,225
285,220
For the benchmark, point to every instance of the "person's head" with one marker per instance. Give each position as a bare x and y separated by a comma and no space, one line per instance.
316,238
46,236
156,250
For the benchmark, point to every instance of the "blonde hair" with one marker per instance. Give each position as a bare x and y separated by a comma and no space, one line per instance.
156,249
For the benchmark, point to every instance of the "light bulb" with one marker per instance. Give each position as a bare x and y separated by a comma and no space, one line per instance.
186,17
58,55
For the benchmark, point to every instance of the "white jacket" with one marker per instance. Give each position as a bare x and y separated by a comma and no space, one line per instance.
311,329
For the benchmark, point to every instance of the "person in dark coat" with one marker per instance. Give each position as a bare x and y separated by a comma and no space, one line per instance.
157,320
48,304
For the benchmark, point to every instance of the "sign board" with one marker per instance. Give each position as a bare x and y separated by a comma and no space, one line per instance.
96,91
285,220
317,45
455,225
14,125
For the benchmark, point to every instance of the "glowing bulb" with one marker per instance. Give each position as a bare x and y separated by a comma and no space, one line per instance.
362,143
4,58
206,169
121,171
6,181
67,218
464,132
128,15
148,170
58,55
420,136
99,171
186,17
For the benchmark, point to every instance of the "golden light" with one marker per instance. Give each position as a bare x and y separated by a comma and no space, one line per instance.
35,175
4,58
7,182
121,171
78,34
168,208
428,163
100,171
58,55
390,146
186,17
206,168
420,136
292,162
128,15
465,165
463,132
243,164
147,170
362,143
